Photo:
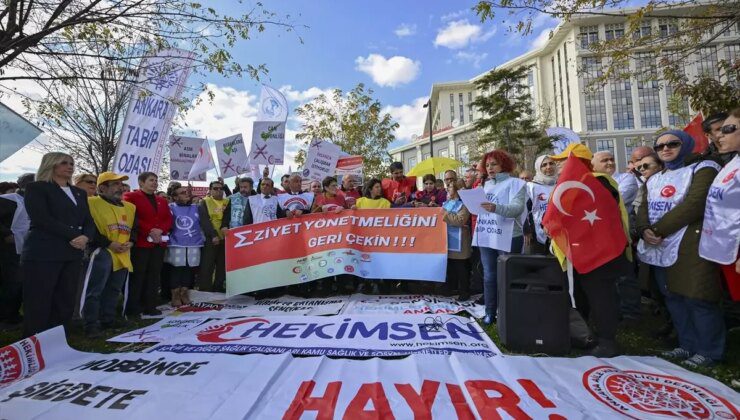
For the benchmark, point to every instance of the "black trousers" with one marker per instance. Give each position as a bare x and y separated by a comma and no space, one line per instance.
11,285
458,276
48,293
599,288
212,257
144,281
180,276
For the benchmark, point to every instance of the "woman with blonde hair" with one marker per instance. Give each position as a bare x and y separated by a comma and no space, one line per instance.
51,260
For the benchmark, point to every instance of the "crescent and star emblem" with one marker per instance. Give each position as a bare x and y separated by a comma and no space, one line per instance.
589,216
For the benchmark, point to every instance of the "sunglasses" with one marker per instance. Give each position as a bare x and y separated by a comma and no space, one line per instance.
645,166
675,144
728,129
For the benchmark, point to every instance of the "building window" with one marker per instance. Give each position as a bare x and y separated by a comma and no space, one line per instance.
560,82
624,118
554,94
706,64
462,153
630,144
470,106
614,31
452,108
412,162
462,109
425,156
644,31
605,145
589,35
567,89
680,119
594,101
667,27
444,153
648,92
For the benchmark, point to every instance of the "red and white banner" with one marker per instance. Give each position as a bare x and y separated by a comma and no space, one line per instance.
408,244
411,304
350,336
349,165
128,386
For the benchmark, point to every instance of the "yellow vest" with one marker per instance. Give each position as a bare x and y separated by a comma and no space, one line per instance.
625,225
216,212
115,223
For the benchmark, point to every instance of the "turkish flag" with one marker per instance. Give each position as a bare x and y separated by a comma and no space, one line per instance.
583,218
695,130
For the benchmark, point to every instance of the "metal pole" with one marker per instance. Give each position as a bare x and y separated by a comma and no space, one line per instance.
431,129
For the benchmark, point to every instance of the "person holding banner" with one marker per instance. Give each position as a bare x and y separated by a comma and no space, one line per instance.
670,228
294,202
315,187
372,196
457,217
213,258
430,196
330,200
349,190
234,214
154,221
538,193
399,188
499,230
263,206
51,260
186,241
721,232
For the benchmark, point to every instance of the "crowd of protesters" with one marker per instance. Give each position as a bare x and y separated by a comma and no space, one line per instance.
72,246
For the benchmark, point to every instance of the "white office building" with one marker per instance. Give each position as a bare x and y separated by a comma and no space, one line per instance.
618,116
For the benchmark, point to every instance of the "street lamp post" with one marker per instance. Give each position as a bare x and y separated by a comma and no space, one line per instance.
431,145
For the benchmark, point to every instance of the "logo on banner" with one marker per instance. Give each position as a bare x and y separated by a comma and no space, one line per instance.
668,191
729,176
163,75
20,360
637,394
271,107
213,333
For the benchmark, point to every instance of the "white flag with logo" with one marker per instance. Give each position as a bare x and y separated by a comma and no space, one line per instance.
151,110
231,156
273,106
203,163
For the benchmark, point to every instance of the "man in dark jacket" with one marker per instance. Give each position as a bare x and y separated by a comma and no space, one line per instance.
711,127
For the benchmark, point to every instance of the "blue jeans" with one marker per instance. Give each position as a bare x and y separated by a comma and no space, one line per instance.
489,261
102,290
699,324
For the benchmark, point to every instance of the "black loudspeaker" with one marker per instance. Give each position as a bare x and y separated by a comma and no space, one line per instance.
533,304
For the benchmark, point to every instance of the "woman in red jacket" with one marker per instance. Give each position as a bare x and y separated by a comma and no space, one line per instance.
154,223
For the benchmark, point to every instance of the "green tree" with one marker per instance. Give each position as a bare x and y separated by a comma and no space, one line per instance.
508,120
354,122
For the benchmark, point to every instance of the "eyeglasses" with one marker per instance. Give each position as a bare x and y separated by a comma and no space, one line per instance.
645,166
728,129
675,144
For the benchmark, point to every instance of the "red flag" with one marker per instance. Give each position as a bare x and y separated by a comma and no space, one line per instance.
583,218
694,130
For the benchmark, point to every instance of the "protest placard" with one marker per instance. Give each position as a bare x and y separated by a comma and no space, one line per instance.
231,155
183,151
321,160
348,336
159,331
152,107
410,304
268,143
349,165
373,244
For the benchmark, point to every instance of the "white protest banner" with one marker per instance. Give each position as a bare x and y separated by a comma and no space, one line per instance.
268,143
273,106
151,110
349,165
231,156
410,304
183,151
203,162
210,310
160,331
321,160
290,305
17,132
128,386
31,355
350,336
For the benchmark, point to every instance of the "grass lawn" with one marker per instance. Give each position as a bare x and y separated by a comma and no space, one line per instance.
634,341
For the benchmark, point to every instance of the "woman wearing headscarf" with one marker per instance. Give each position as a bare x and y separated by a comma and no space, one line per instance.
670,229
720,238
538,193
498,231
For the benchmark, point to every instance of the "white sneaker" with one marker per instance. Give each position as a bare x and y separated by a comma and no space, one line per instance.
697,361
678,353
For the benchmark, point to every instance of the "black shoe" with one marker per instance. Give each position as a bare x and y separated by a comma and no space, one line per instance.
605,348
152,312
93,332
